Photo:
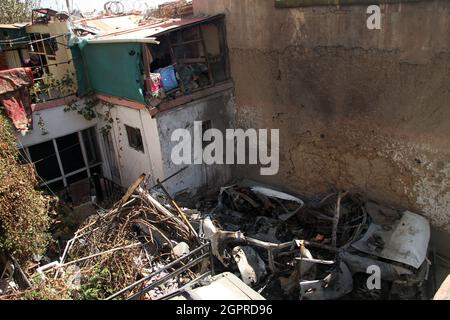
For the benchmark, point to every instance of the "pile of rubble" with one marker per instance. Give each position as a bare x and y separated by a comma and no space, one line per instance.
127,246
281,247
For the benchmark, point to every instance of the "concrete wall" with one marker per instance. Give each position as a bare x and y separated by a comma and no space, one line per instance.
55,122
365,110
197,178
156,133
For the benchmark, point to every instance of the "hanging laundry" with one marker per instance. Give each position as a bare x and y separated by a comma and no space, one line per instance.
15,96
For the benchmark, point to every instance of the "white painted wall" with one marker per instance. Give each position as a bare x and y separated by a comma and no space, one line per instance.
150,127
132,162
156,132
57,123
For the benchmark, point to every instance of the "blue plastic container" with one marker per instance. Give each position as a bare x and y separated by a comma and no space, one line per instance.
168,78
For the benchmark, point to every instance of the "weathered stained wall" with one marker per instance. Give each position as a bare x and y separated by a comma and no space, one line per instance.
156,134
53,123
197,178
59,67
365,110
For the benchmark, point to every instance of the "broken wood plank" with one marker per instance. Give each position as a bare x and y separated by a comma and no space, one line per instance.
161,208
100,253
185,42
130,190
205,52
180,212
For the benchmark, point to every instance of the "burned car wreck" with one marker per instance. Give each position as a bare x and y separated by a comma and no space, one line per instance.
337,247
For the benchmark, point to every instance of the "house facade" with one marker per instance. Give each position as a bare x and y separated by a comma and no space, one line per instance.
116,120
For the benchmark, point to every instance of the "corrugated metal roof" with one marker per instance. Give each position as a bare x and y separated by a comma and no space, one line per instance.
155,28
111,24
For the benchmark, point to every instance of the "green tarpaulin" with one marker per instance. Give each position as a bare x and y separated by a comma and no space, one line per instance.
114,69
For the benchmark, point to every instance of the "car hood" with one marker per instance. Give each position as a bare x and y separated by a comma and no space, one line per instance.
405,241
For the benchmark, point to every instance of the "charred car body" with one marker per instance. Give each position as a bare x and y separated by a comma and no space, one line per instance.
340,246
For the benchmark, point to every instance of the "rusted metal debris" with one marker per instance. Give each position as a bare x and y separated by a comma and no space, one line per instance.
327,249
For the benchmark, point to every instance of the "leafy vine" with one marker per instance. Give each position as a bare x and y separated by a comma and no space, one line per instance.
88,109
51,88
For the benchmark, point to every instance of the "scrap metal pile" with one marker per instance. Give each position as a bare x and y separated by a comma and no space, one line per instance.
323,249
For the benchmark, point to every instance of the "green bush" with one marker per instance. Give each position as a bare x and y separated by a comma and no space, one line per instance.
97,286
24,219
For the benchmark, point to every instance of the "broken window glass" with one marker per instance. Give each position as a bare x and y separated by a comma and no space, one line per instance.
91,146
44,158
69,149
50,46
199,55
53,187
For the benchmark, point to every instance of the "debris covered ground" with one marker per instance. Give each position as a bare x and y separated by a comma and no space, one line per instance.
321,249
281,246
117,247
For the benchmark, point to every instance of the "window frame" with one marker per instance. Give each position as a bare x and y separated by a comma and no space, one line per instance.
135,130
87,167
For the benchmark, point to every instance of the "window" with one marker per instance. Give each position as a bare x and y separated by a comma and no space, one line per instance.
50,46
45,160
91,145
70,153
65,160
47,47
134,138
187,60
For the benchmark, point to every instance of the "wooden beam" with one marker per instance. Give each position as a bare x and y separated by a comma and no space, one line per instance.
167,105
205,52
174,60
185,42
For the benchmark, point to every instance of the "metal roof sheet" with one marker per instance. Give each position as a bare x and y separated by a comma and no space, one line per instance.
154,29
112,24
